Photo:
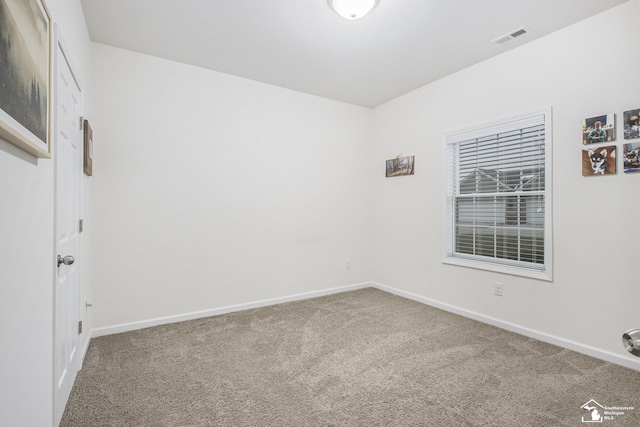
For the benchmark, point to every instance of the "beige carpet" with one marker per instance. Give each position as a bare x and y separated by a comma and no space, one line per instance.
361,358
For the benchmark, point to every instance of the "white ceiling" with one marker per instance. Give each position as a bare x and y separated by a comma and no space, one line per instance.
305,46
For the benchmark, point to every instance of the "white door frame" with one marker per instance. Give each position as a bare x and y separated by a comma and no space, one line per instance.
59,53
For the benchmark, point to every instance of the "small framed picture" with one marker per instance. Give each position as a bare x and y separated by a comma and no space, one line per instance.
599,161
599,129
631,124
400,166
631,157
88,148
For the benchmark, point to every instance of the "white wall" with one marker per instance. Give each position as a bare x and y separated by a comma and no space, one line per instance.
594,296
26,261
26,296
211,190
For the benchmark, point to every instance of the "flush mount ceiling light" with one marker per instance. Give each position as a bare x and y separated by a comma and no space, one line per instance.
352,9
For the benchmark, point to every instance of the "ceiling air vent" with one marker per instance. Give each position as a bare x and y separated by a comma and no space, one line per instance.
510,36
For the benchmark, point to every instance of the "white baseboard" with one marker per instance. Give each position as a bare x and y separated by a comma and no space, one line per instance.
85,349
132,326
531,333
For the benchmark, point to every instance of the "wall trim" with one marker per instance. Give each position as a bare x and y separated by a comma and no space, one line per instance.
85,350
132,326
512,327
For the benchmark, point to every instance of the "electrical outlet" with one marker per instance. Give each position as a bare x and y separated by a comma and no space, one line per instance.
497,289
349,264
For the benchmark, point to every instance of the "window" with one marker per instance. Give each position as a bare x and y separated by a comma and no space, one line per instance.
498,197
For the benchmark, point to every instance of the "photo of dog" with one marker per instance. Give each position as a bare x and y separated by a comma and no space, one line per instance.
631,124
599,161
631,157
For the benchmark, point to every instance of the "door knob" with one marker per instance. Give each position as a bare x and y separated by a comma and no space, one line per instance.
68,260
631,341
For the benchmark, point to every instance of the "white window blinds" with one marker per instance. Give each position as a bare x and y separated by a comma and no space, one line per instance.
497,195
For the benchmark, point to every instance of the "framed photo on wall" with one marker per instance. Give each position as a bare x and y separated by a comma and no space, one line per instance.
599,161
25,75
400,166
599,129
631,124
631,157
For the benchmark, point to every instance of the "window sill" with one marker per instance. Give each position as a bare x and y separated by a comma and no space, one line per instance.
514,271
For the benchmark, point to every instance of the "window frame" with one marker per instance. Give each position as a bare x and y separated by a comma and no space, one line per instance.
451,185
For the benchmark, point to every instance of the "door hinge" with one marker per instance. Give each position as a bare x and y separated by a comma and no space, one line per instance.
81,225
80,327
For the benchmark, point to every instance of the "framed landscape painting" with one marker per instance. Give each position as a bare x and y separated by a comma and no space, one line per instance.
400,166
25,71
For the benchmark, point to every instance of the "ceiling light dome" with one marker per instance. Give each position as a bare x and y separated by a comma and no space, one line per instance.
352,9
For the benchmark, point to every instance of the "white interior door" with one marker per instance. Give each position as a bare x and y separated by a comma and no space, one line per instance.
68,174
